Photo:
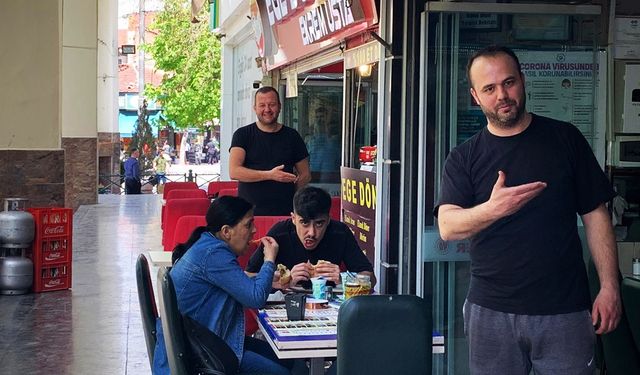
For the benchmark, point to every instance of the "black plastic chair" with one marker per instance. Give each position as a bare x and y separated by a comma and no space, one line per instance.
384,334
147,302
631,300
179,355
615,351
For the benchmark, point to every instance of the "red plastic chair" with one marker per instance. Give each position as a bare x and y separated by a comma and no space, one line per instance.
264,223
177,185
251,324
185,226
335,212
231,192
181,193
175,209
214,187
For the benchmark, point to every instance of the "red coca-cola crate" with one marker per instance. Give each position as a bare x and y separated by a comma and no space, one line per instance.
53,277
51,250
52,221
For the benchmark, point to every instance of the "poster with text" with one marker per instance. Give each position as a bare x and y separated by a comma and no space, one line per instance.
564,85
358,192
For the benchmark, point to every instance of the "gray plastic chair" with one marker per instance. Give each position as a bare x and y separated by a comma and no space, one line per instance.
384,334
615,351
179,355
631,301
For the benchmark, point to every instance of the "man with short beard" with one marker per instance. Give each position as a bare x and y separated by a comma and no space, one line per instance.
514,189
269,160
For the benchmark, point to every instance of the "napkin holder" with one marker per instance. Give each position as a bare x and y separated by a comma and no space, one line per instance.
295,303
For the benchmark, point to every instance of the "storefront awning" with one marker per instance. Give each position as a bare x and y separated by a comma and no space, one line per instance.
127,121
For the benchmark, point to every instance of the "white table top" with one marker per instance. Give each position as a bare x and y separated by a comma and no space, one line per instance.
160,258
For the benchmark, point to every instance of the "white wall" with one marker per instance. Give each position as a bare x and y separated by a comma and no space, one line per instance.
30,34
79,68
230,7
239,71
107,78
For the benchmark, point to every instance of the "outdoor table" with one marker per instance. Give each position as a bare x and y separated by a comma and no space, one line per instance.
313,338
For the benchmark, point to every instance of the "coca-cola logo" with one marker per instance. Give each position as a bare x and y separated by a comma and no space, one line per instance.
54,230
53,256
52,283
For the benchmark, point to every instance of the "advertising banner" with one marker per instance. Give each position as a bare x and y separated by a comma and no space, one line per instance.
358,192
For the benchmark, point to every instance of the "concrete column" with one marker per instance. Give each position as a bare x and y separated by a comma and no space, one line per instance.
79,100
107,92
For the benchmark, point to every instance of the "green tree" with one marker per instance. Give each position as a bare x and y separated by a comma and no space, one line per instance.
143,139
189,55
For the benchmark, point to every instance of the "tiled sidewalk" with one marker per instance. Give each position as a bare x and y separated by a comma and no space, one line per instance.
94,328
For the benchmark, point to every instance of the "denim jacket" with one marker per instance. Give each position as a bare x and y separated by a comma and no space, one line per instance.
212,288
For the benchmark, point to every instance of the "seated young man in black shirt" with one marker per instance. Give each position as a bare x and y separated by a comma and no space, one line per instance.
311,236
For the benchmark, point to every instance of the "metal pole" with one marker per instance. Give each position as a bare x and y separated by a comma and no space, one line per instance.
141,27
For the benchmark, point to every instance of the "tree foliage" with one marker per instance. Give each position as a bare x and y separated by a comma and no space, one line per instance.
189,55
143,139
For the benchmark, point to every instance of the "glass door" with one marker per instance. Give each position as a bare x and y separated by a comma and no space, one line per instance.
564,71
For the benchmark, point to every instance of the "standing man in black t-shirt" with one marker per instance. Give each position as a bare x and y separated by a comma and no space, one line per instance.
515,188
269,159
311,236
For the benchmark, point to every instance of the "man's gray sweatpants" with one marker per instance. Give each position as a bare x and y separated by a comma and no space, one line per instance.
512,344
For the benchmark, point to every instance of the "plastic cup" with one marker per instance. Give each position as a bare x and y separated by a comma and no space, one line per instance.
344,278
318,285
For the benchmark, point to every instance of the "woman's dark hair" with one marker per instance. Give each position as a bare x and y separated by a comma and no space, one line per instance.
225,210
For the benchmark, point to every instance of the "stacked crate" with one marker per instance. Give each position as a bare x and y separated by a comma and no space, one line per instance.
51,249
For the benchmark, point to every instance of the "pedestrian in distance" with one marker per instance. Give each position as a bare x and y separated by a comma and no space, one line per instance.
132,183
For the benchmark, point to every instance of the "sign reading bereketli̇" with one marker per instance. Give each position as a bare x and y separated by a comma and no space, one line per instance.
358,189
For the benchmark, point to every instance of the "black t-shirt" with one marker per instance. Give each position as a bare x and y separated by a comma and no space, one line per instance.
264,151
531,261
337,246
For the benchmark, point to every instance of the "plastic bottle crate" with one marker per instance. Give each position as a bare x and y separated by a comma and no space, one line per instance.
52,221
53,277
51,250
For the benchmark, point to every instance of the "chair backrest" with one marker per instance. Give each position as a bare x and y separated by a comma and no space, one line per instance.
335,210
186,193
185,226
175,209
631,302
250,322
177,185
147,302
232,192
172,325
264,223
221,359
180,194
616,350
384,334
214,187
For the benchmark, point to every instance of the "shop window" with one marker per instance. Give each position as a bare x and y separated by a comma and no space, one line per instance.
317,115
363,107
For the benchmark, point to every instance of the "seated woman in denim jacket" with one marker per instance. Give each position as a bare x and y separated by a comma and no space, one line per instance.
212,288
